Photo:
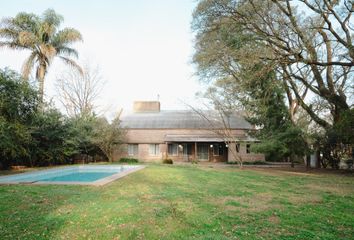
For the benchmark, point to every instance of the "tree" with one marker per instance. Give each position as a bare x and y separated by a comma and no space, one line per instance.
78,92
108,136
33,137
82,130
42,37
52,141
218,123
18,104
338,142
311,51
280,138
306,44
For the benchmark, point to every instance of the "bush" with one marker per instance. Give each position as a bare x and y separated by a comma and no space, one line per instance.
349,163
128,160
167,161
250,163
255,163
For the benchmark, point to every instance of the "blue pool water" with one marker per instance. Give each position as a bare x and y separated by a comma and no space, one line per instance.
72,175
79,177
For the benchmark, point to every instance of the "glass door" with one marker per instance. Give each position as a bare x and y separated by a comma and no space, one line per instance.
203,151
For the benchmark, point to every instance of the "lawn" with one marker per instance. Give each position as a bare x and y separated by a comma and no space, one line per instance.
185,202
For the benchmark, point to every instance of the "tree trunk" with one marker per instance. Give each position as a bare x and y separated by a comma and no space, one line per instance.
308,161
40,77
292,160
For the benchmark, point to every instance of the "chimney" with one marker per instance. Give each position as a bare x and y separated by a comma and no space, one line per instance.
146,106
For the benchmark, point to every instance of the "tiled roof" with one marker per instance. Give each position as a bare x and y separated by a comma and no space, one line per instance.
183,119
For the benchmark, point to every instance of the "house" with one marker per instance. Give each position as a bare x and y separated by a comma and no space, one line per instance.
184,135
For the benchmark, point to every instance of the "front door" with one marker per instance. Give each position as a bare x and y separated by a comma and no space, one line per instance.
203,152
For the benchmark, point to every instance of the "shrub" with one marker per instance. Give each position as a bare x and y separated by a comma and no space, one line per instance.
167,161
128,160
194,161
255,163
349,163
250,163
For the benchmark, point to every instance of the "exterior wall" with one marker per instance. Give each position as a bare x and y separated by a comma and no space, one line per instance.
144,137
158,135
246,157
143,152
192,156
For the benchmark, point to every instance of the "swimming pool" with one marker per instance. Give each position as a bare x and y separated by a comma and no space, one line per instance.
82,175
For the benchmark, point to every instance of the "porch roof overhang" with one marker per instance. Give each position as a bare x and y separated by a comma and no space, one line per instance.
193,138
205,138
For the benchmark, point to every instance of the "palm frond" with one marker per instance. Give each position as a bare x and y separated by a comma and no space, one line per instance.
72,63
27,39
50,21
52,18
8,33
67,52
24,22
66,36
48,52
28,65
20,30
13,45
40,35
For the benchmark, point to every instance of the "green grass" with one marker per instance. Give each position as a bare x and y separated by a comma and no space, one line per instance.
185,202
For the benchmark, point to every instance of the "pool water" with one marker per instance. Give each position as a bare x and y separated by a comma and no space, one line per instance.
79,177
92,175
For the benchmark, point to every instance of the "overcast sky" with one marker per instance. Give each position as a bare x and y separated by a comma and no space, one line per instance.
143,47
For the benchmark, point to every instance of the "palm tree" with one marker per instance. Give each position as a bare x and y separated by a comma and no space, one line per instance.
42,37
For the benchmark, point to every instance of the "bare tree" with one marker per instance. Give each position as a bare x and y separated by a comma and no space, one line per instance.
78,92
311,50
218,121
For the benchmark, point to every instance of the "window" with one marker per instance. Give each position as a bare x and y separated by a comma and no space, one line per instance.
154,149
132,149
237,147
218,149
173,149
248,148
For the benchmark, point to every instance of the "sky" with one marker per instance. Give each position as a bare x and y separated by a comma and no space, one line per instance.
142,47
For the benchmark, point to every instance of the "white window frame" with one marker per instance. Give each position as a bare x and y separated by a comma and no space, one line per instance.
154,149
133,149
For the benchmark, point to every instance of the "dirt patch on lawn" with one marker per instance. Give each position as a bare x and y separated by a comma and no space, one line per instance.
305,199
255,203
274,219
301,171
342,189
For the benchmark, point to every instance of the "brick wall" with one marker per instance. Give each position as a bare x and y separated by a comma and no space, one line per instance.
158,135
144,137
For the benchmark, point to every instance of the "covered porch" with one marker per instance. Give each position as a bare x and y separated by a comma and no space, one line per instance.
188,148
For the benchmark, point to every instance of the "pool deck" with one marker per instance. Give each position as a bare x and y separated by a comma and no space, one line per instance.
99,182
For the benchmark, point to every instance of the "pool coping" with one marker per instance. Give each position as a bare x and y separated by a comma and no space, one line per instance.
99,182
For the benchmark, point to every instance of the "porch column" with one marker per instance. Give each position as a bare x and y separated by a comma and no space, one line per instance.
230,154
166,152
195,152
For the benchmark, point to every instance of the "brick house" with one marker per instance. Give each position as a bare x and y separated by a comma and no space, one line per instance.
183,135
